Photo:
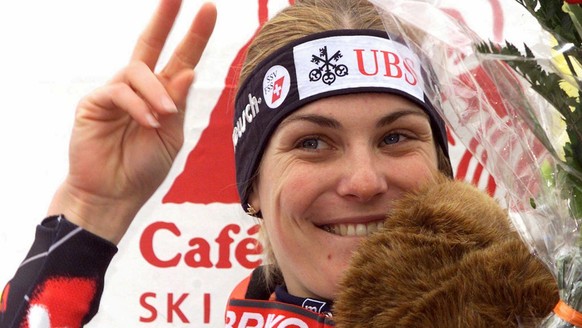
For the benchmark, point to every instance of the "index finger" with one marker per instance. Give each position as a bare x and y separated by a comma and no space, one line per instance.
151,42
190,49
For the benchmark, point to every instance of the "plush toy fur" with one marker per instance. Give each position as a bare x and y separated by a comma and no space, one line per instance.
447,257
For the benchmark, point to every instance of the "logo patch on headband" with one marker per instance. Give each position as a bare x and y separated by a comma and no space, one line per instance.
328,69
342,62
276,85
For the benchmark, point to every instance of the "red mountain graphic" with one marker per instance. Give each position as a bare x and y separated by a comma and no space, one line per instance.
209,175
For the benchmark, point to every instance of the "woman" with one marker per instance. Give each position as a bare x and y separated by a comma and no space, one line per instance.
350,147
330,126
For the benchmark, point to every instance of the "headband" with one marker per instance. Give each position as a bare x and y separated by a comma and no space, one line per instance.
321,65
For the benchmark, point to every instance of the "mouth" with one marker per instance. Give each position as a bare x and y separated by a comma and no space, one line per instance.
353,229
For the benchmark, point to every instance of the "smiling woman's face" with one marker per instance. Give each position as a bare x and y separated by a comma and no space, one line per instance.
328,177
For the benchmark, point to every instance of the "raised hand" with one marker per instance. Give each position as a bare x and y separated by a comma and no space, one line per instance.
127,133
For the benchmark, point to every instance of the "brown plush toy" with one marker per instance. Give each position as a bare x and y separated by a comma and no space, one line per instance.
447,257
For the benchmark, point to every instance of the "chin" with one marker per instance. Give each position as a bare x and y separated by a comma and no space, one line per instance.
335,276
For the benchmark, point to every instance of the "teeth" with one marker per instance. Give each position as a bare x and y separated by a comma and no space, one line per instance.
361,230
343,229
349,230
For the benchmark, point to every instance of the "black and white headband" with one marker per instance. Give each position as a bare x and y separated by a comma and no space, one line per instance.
321,65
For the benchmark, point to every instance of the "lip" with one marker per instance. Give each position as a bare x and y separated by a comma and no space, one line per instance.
362,219
361,226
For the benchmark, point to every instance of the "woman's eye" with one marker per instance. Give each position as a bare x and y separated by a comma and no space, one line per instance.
392,138
311,143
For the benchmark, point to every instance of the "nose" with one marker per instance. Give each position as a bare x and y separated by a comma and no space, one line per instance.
364,177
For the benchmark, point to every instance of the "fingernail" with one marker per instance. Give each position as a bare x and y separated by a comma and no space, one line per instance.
152,121
169,105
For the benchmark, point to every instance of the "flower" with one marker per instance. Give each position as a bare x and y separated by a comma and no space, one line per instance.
518,109
553,112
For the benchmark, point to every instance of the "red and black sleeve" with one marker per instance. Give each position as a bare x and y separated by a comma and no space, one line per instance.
60,282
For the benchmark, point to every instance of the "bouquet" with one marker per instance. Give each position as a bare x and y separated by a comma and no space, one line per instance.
517,108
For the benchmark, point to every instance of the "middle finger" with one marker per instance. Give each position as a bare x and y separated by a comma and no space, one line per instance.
190,49
152,40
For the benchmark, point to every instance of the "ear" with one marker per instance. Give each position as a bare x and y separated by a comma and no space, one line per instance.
254,201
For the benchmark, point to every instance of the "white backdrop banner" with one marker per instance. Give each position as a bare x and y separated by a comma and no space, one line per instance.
191,243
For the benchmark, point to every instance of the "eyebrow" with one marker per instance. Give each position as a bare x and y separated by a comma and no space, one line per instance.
390,118
315,119
335,124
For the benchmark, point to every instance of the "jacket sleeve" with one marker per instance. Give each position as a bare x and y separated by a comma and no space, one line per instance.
60,282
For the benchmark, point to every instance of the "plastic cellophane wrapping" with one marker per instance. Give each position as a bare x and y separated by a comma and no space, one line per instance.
513,130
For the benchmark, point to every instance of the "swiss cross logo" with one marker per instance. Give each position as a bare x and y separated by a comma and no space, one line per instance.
276,85
328,69
278,89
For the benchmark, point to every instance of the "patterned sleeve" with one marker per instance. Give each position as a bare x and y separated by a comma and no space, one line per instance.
60,282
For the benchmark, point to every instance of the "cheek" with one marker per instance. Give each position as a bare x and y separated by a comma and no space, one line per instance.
290,192
413,173
286,202
299,193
